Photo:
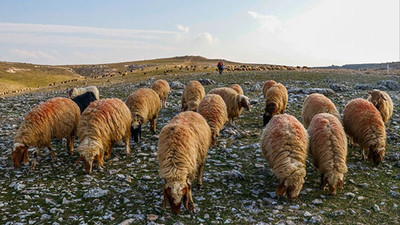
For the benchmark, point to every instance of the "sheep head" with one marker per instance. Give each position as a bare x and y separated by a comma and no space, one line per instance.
136,129
192,106
270,111
291,186
376,154
244,102
377,98
90,152
333,181
174,193
20,154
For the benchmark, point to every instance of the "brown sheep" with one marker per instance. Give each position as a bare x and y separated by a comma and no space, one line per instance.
55,118
317,103
144,105
276,99
383,102
284,144
364,125
162,89
182,151
267,85
234,102
192,94
213,109
103,123
328,147
237,88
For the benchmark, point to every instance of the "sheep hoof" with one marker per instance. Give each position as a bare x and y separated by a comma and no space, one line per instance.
199,186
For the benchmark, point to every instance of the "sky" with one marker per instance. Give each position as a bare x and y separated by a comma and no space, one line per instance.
286,32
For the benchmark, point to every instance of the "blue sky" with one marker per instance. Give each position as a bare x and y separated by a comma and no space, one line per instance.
304,32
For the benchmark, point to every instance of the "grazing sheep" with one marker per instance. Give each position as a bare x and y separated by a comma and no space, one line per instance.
78,91
162,89
192,94
234,102
84,100
144,105
103,123
55,118
267,85
213,109
276,99
284,144
328,147
383,102
237,88
314,104
364,125
182,151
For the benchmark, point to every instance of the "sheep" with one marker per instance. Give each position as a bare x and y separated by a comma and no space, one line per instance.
162,89
103,123
364,125
55,118
182,151
328,147
267,85
383,103
276,99
234,102
284,144
237,88
213,109
314,104
84,100
78,91
192,94
144,105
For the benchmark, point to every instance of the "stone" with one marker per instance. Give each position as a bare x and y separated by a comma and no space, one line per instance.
376,208
95,193
176,85
152,217
206,81
390,84
339,87
317,201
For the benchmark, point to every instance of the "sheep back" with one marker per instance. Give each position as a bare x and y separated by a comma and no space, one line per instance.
284,144
266,86
383,102
364,125
314,104
144,105
328,147
192,94
213,109
237,88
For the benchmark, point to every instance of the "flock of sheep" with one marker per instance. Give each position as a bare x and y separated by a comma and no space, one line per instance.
184,142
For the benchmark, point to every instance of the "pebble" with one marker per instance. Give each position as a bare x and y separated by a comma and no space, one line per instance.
95,193
376,208
317,201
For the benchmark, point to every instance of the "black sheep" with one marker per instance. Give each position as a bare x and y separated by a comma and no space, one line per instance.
84,100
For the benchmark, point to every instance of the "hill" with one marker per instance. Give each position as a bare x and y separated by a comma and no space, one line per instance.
365,66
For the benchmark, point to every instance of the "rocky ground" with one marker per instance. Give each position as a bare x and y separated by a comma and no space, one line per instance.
238,185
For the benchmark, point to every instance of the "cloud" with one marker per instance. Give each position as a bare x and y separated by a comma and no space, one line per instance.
206,37
183,28
32,55
269,23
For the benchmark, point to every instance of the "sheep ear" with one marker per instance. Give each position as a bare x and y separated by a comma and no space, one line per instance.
281,189
370,92
382,96
340,184
26,156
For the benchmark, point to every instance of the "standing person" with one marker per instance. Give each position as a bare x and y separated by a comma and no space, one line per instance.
220,66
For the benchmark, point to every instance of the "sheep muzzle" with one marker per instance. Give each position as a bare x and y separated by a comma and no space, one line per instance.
19,155
137,132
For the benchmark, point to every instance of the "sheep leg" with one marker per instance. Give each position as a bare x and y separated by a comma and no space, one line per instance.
190,200
200,176
363,155
153,125
35,155
126,140
70,144
165,103
53,155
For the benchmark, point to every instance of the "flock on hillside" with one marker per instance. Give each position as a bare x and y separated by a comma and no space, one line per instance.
184,142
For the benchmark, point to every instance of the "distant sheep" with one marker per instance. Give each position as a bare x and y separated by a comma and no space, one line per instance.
55,118
234,102
317,103
182,151
78,91
237,88
103,123
267,85
213,109
364,125
192,94
383,102
276,99
284,144
328,147
162,89
144,105
84,100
